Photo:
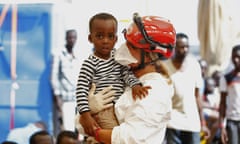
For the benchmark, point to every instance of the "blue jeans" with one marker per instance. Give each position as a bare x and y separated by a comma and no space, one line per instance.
182,137
233,130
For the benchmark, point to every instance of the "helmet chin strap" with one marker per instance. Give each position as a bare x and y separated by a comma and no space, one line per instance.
143,64
143,53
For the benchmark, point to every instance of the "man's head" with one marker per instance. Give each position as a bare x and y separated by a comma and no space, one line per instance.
67,137
41,137
71,38
182,46
103,34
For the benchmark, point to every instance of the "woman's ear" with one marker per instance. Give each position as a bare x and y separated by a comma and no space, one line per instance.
90,38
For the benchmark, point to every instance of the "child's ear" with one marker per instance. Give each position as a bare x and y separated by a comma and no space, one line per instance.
90,38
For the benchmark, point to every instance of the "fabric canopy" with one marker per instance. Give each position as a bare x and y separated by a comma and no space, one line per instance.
216,33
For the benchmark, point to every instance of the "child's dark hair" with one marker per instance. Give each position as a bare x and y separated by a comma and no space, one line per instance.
236,48
66,133
32,139
102,16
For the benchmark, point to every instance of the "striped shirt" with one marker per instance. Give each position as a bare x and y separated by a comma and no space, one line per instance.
103,73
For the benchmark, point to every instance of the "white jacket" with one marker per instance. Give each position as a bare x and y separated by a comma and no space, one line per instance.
144,121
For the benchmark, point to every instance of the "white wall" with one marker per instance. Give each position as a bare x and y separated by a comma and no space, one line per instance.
76,14
182,13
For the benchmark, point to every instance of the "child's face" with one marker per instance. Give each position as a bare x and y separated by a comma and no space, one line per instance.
236,59
103,36
210,85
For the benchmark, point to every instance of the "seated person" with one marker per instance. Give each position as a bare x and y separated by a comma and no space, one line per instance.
67,137
41,137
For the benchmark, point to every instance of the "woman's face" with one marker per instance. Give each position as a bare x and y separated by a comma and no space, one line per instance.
130,56
136,53
124,56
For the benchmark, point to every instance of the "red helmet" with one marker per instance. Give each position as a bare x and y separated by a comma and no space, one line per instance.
153,34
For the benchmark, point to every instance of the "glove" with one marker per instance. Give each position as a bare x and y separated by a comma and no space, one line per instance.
100,101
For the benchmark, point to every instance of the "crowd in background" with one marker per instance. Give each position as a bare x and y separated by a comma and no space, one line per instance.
212,88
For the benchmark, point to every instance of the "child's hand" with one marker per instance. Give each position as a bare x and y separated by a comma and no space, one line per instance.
139,91
88,123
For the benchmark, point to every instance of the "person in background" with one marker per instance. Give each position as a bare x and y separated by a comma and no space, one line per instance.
204,68
100,70
229,121
149,40
21,135
64,72
41,137
67,137
211,100
187,119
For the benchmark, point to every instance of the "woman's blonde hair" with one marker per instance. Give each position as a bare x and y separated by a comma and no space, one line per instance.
160,67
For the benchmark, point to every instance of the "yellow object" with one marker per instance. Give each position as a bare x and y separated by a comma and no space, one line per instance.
203,140
125,20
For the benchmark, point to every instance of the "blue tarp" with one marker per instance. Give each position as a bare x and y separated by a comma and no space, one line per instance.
33,98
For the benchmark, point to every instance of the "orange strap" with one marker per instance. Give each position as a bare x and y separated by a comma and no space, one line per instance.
3,14
13,63
14,42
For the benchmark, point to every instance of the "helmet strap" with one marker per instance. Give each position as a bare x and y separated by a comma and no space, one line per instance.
142,64
153,44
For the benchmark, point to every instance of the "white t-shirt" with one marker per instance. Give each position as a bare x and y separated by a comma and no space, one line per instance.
144,121
22,135
185,115
233,98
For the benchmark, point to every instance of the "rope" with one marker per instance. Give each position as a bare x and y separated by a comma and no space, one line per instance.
13,64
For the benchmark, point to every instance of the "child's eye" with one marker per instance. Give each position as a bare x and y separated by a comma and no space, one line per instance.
111,36
99,36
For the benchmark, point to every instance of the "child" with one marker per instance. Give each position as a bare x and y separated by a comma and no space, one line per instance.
230,101
102,70
211,99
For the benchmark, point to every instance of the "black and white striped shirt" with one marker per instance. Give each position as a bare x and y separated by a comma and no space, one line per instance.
103,73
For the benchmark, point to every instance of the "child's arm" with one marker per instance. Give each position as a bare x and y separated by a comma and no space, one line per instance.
88,123
138,91
97,102
82,91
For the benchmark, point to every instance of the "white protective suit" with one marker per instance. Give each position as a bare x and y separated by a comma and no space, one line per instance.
144,121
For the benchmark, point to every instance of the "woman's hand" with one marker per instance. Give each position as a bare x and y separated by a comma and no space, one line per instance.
101,100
